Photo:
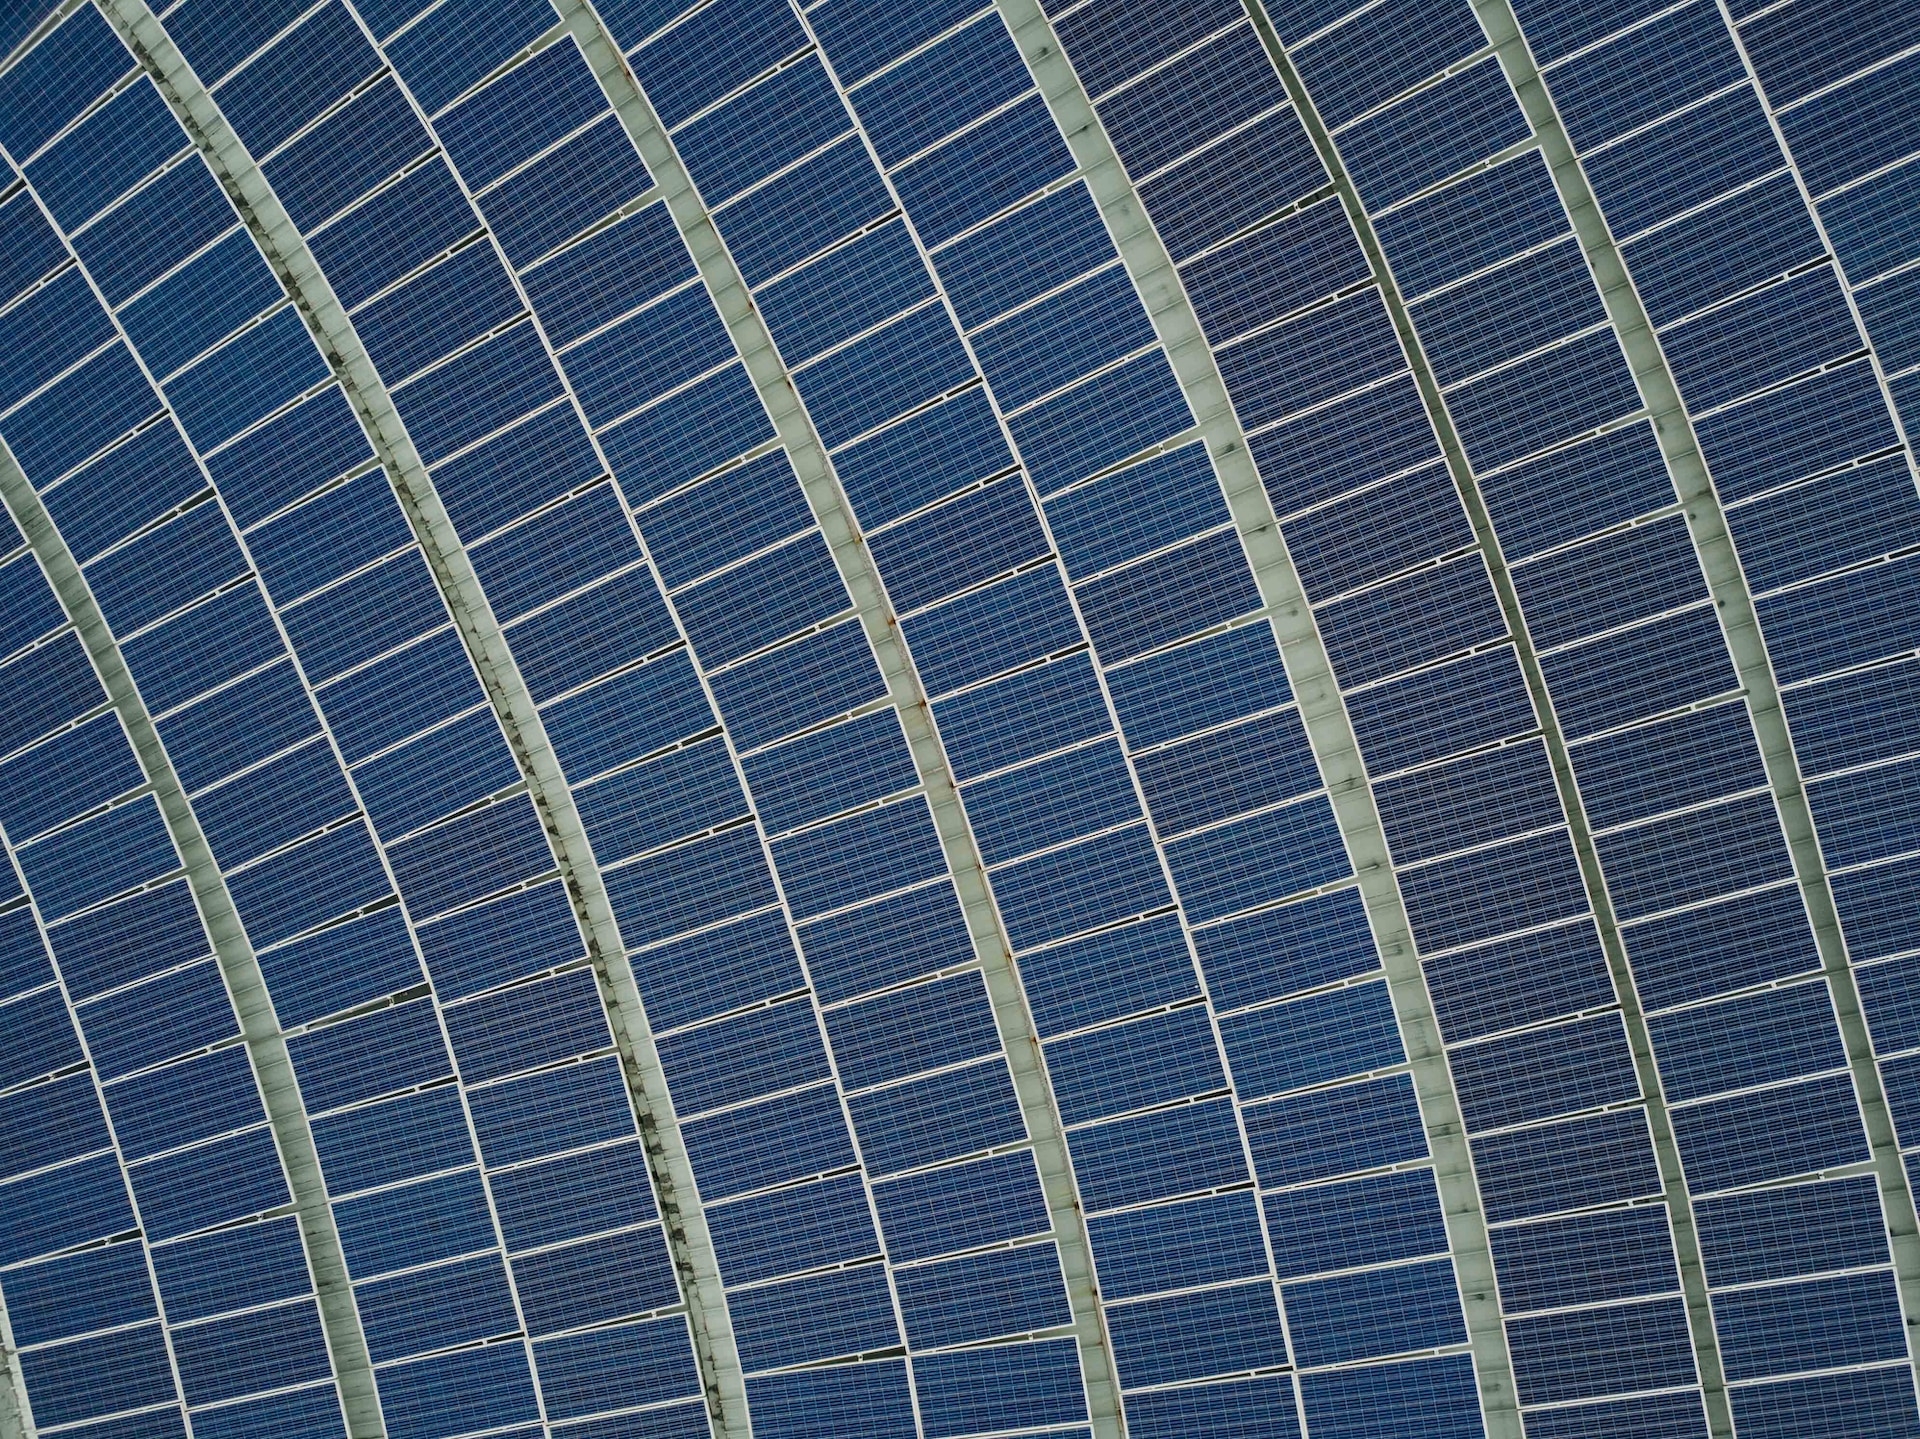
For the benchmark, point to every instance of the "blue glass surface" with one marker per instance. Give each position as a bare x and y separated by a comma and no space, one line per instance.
1057,380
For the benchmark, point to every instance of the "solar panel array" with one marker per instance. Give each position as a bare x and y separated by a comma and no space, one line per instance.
873,721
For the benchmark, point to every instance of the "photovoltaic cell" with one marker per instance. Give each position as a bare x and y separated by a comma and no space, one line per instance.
1194,954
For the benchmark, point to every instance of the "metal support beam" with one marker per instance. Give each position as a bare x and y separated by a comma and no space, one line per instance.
1647,1074
16,1421
233,952
1329,729
1739,624
287,252
830,509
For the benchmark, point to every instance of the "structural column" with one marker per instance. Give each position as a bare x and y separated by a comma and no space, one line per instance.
287,252
1329,729
1739,624
855,564
233,951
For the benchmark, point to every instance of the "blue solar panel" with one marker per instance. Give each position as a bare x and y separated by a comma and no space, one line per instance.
199,1188
1732,245
568,189
451,305
712,52
197,305
74,868
1059,799
313,1410
590,1372
1024,255
793,1229
250,377
886,942
801,212
1621,578
943,1117
520,114
58,1208
1219,190
774,123
1364,1221
847,1311
1829,152
983,171
296,78
1543,1072
1190,1336
689,433
1857,616
929,96
1003,1385
350,152
448,1393
51,330
123,1369
1585,1353
393,231
592,1192
1761,340
777,1140
1810,1126
1274,271
1310,1041
51,84
1507,312
1381,1311
1363,62
958,1207
816,1403
109,151
1462,119
1674,61
447,52
658,350
32,248
1882,1398
1191,950
846,291
76,416
840,864
281,896
241,1355
1870,225
756,1054
1135,1065
901,365
83,767
1655,174
94,1289
1523,409
815,678
1204,93
289,796
1309,360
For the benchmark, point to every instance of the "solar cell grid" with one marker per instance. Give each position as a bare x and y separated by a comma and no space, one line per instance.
850,1098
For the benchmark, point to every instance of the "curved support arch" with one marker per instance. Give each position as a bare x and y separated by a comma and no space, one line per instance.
829,505
1739,624
1330,731
1661,397
233,952
287,252
14,1423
